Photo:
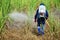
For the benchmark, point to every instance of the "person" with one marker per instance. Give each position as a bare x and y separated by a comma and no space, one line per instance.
40,17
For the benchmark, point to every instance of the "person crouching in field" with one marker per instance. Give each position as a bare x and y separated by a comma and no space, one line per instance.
40,17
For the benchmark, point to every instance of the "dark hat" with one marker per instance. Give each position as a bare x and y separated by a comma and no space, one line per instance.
42,4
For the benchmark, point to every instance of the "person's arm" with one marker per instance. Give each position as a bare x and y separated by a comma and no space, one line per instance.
36,15
46,14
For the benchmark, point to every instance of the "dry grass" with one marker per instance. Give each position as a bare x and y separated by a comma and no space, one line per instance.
25,33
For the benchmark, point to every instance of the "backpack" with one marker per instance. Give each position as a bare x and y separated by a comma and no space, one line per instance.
42,11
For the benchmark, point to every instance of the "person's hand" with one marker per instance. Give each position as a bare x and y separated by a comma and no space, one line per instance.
46,18
35,20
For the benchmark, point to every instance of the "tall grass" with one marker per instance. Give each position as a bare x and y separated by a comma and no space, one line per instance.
4,10
28,6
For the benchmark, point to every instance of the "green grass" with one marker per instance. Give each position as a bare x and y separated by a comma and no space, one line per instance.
29,6
54,22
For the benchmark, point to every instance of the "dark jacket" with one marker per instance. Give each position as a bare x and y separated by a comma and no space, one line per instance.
36,15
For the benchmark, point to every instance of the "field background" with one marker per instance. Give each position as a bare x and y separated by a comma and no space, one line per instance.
29,7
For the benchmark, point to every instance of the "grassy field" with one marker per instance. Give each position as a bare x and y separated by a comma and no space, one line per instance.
29,7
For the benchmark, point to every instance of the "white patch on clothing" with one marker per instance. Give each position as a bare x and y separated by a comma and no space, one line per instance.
42,8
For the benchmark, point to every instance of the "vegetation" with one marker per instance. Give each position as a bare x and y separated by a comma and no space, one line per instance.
29,7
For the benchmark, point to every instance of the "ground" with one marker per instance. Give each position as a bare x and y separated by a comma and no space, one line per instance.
25,33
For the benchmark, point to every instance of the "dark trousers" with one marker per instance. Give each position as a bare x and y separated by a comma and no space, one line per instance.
40,21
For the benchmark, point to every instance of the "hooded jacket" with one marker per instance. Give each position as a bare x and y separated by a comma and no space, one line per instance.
37,13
